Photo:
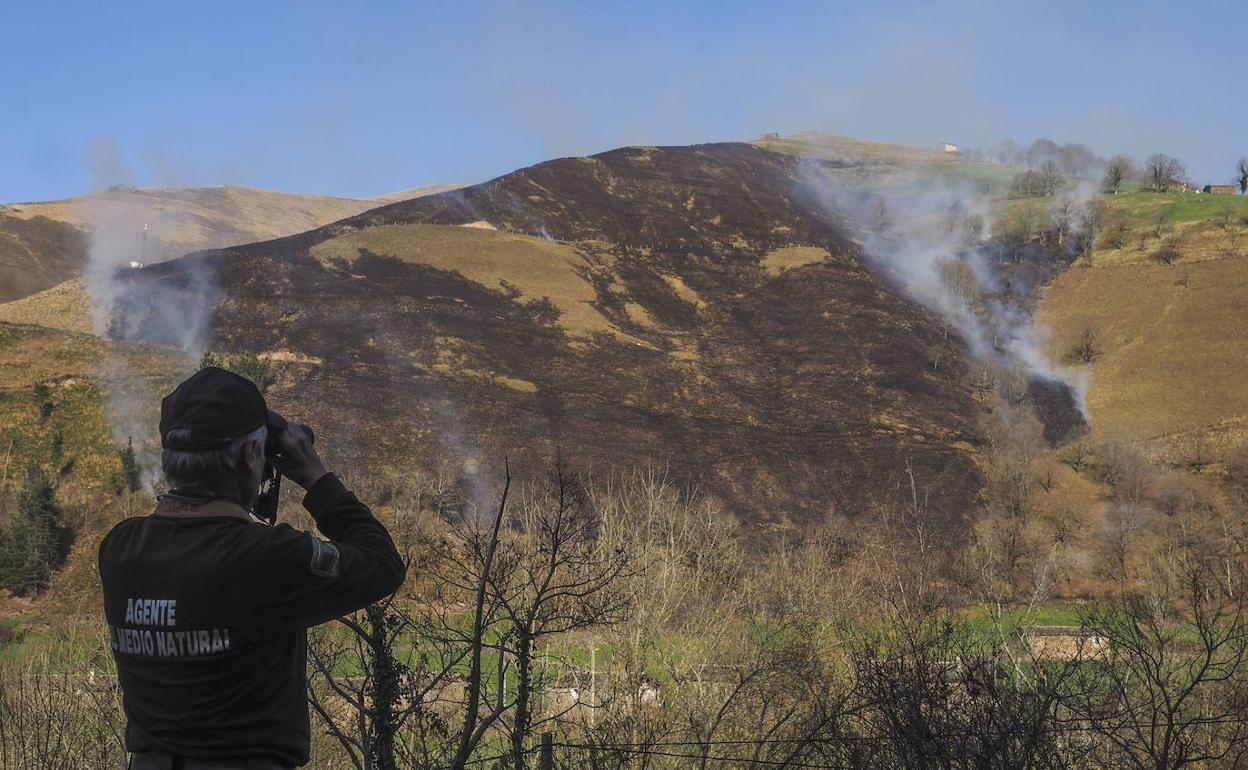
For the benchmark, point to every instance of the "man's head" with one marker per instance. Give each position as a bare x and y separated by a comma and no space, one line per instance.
213,432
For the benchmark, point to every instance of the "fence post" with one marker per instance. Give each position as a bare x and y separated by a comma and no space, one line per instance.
546,761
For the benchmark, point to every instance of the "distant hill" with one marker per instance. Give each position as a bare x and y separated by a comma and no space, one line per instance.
45,243
417,192
686,305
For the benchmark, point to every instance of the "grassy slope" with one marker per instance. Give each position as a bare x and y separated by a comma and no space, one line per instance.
75,369
1174,337
535,266
65,306
886,165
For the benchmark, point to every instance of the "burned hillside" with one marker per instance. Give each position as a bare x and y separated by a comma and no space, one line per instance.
687,305
37,253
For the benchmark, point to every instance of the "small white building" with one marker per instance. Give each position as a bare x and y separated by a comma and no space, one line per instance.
946,147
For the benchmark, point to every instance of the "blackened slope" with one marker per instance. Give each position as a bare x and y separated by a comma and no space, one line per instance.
37,253
673,197
791,394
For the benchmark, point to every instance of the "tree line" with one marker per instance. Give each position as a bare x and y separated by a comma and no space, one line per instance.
845,647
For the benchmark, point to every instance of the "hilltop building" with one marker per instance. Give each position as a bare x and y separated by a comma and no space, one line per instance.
946,147
1220,189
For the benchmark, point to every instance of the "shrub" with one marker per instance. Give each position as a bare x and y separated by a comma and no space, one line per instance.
246,365
1169,252
43,399
1117,234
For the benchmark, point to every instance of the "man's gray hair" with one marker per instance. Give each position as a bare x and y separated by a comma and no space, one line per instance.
187,468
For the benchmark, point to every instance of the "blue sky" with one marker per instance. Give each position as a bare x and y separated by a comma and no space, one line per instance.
363,98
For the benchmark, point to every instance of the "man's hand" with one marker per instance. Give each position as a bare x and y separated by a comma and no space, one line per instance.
299,461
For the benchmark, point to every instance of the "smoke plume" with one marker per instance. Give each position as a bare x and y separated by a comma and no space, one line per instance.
127,228
933,236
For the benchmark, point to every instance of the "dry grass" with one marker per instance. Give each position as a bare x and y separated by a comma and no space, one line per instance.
1197,241
203,217
536,267
65,306
788,257
1175,356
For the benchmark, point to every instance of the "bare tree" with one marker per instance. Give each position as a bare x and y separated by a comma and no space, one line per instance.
1170,251
388,705
1117,233
1088,345
370,699
553,576
1088,225
1064,211
52,720
1168,691
1118,169
480,553
1007,152
1164,172
940,701
1161,224
958,279
1044,181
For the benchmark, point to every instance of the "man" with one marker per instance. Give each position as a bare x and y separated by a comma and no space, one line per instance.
208,608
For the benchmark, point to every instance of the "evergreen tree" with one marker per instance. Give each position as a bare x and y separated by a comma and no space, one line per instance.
36,540
131,473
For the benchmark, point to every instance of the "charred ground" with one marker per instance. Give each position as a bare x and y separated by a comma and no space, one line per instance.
736,333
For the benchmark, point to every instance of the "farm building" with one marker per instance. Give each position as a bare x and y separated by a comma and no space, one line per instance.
1220,189
946,147
1062,642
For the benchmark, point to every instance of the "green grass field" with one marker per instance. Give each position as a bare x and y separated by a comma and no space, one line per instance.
1141,208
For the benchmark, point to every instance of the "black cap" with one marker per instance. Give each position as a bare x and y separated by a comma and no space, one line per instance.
217,407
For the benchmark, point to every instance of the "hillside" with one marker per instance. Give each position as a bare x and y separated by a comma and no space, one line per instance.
1171,339
860,164
696,307
45,243
693,306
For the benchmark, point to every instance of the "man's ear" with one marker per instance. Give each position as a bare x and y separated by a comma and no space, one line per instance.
256,453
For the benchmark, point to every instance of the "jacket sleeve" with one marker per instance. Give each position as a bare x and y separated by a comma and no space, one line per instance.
313,580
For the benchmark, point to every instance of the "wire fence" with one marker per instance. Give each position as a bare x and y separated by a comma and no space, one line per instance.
840,752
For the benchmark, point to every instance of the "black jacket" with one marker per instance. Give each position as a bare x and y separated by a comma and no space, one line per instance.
208,611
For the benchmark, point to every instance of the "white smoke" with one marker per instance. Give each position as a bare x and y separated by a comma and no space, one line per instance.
930,234
126,229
